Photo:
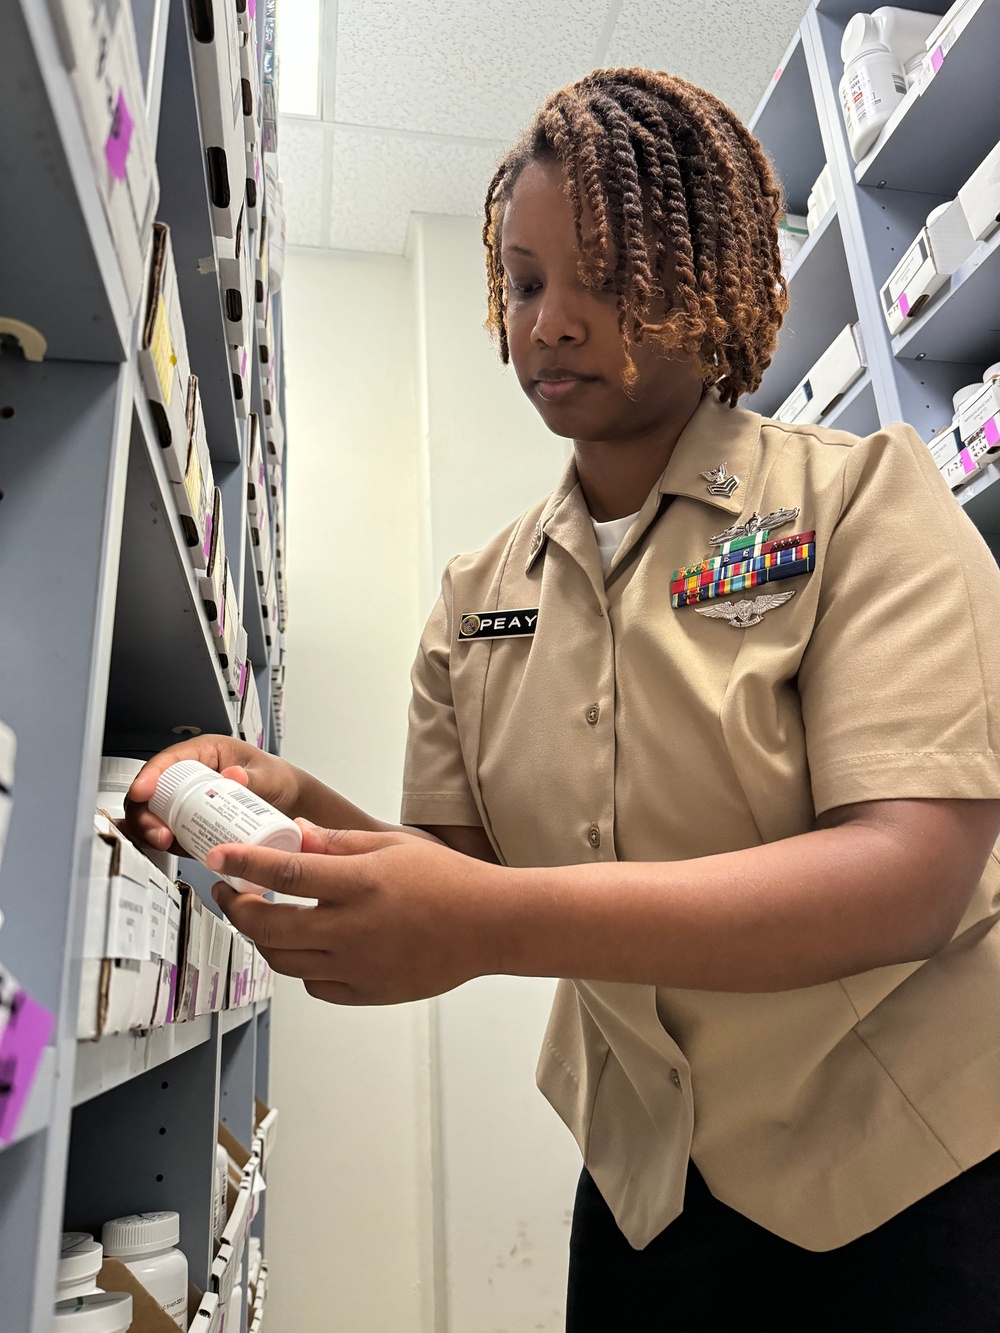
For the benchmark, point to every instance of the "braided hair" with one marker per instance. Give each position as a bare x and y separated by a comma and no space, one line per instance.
672,180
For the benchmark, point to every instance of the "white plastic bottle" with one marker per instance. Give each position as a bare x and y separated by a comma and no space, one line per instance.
205,811
80,1259
905,33
234,1315
146,1243
100,1312
873,85
117,775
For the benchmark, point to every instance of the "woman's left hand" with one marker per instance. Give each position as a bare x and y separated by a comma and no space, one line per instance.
397,918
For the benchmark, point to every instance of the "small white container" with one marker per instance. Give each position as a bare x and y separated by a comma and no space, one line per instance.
146,1244
221,1188
873,85
992,373
100,1312
117,775
205,811
80,1259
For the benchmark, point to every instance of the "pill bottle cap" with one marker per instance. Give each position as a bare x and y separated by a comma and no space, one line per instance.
966,392
80,1257
862,37
118,773
100,1312
991,373
140,1233
175,781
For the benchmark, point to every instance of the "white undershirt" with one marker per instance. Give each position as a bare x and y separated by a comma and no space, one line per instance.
610,536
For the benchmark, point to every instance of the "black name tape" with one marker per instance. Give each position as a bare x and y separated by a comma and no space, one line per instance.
497,624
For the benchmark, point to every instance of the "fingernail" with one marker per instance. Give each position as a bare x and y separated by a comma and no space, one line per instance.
307,824
164,837
215,859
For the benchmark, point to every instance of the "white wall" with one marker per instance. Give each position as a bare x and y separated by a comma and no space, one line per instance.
507,1168
348,1207
421,1183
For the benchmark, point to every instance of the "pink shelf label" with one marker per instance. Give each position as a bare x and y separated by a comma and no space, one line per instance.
991,430
214,993
904,305
24,1038
937,59
969,464
119,139
252,8
207,544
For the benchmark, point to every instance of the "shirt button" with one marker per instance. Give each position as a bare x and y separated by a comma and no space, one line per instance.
593,713
600,610
675,1078
594,836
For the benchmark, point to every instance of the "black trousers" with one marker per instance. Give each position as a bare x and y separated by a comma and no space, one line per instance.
934,1268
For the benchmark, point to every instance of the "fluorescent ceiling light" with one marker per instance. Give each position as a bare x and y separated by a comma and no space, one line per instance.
299,47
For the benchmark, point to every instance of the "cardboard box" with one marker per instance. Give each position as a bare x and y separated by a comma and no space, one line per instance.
841,364
214,975
251,722
194,496
269,613
941,247
216,45
274,433
240,964
238,288
255,191
980,412
249,79
163,354
979,197
98,47
212,583
239,363
193,914
265,340
262,282
204,1314
260,543
233,648
265,1131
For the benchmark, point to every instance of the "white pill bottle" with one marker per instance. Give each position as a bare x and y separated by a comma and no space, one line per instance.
100,1312
873,85
205,811
80,1260
146,1244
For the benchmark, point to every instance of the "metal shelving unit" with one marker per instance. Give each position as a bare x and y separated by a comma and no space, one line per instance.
105,647
935,139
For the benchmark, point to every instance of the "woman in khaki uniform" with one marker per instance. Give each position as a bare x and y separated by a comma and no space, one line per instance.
712,730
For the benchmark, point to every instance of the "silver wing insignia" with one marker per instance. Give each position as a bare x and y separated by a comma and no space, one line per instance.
741,615
718,610
716,473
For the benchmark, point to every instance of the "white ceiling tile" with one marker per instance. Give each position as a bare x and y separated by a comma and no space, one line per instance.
379,180
478,68
300,159
730,47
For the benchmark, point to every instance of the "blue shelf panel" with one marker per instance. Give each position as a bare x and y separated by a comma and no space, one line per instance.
962,321
937,138
107,1063
786,124
821,302
165,671
856,411
71,288
230,1019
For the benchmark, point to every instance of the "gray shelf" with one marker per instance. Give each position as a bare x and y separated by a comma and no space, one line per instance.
962,321
937,138
820,303
105,1064
105,648
856,411
786,123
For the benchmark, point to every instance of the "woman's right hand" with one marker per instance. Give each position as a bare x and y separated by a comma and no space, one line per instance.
273,779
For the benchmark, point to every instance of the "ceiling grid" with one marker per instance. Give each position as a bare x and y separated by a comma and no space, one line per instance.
419,100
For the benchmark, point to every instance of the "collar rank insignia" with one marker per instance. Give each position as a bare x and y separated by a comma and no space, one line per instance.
754,523
741,615
720,482
497,624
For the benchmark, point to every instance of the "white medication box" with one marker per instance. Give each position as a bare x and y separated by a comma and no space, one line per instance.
257,491
8,749
239,363
238,287
212,583
163,354
980,197
941,247
841,364
251,722
194,495
980,412
945,445
217,42
98,48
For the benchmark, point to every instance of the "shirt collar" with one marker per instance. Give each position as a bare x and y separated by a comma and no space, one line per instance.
716,434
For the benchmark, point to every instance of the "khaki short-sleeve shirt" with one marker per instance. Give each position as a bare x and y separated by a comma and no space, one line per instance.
624,729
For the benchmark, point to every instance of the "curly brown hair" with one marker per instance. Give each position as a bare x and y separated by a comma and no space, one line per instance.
673,181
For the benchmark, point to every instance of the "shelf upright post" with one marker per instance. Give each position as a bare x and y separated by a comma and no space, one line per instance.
877,350
64,439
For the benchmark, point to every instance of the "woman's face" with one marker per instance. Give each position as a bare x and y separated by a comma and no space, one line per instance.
564,341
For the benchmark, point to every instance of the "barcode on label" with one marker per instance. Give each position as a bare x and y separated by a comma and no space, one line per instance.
250,802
